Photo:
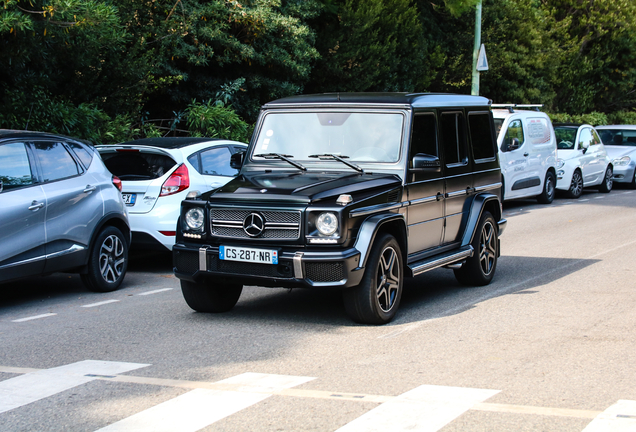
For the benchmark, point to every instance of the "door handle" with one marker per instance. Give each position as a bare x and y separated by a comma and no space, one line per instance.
439,196
470,190
36,205
89,189
526,154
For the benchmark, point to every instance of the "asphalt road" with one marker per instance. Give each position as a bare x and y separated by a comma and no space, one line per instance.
548,346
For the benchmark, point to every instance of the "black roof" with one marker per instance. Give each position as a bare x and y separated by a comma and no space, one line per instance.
13,133
167,142
572,125
416,100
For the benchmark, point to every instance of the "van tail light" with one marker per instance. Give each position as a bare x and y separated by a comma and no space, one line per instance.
117,183
179,180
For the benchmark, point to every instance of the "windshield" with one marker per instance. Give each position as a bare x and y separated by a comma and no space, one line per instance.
625,137
565,137
362,136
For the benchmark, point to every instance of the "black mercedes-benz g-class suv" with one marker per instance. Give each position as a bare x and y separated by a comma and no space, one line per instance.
352,191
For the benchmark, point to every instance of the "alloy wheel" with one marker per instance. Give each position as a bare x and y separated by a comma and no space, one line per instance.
388,279
487,248
111,258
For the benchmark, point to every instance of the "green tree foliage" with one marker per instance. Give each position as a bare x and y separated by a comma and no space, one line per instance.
370,45
216,121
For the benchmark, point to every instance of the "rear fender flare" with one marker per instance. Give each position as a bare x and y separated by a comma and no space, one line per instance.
480,203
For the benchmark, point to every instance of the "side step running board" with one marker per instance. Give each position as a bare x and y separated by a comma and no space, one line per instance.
420,267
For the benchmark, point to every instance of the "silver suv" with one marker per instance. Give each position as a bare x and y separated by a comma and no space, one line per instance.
60,210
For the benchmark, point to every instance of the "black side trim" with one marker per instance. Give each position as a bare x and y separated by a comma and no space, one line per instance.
526,183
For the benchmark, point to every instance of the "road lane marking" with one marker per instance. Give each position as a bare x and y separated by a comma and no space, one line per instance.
202,407
426,408
33,386
156,291
34,317
523,409
620,417
99,303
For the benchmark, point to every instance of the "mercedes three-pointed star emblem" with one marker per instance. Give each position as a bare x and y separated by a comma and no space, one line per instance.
253,224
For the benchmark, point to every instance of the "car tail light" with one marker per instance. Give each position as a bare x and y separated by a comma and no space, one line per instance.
179,180
117,183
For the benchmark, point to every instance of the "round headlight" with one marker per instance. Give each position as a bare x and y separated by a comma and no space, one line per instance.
194,218
560,163
327,223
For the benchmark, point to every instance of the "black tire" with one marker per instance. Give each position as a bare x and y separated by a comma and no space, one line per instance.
376,299
608,181
210,298
576,185
479,269
549,189
632,185
107,262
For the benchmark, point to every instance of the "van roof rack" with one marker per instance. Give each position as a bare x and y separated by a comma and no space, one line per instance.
511,107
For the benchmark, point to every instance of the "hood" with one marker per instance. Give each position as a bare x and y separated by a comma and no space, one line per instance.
302,187
615,152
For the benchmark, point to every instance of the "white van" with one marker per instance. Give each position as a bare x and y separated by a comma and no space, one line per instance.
527,152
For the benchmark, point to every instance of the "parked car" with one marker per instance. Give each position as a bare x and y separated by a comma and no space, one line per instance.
582,160
157,173
620,144
352,191
527,152
61,210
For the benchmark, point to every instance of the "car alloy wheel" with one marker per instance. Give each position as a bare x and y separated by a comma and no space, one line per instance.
576,186
487,248
111,258
388,279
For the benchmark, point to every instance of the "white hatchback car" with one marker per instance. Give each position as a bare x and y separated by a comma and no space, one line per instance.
620,144
158,173
527,152
582,160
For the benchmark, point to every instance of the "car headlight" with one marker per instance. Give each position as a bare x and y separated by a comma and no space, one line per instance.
194,218
625,160
560,163
327,223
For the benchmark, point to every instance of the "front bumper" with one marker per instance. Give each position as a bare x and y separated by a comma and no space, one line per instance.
295,268
624,173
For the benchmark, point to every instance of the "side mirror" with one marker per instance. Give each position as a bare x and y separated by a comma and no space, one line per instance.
236,160
584,146
425,162
514,144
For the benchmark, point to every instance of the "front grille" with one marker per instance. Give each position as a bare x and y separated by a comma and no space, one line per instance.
279,224
186,262
324,272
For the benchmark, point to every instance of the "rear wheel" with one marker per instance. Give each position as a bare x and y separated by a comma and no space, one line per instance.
576,185
608,181
210,298
480,268
549,189
377,298
108,261
632,185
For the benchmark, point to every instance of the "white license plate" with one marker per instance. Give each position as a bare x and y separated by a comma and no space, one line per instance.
129,199
261,256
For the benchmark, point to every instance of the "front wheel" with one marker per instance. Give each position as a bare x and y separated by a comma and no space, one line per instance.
211,298
549,189
376,299
108,261
608,181
576,185
479,269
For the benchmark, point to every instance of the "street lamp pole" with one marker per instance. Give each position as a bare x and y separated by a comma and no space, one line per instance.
475,84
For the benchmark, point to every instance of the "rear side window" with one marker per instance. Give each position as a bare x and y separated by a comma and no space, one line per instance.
82,153
55,161
15,170
135,165
215,161
481,136
453,138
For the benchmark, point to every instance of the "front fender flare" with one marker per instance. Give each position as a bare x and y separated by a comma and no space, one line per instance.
369,229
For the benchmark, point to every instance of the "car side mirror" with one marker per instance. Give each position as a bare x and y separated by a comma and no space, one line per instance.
584,146
236,160
425,162
514,144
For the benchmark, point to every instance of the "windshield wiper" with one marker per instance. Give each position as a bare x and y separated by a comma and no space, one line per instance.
331,156
282,157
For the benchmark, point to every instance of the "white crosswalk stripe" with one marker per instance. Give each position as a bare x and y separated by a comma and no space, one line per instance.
620,417
425,408
202,407
31,387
